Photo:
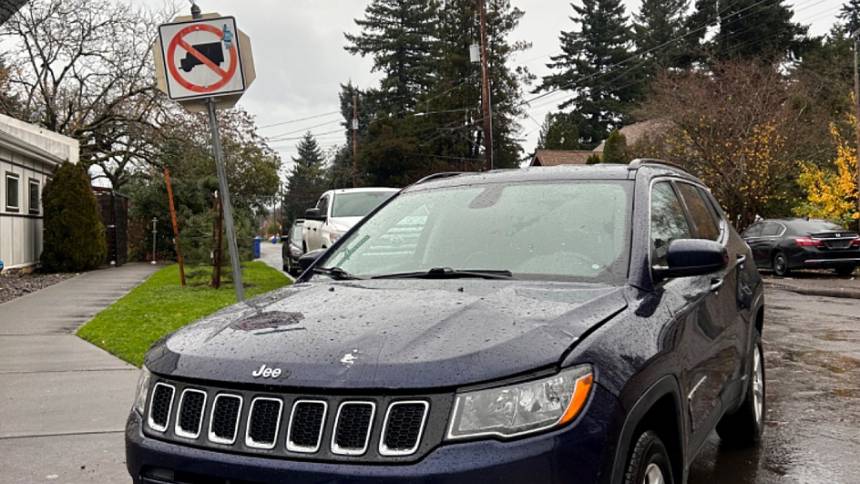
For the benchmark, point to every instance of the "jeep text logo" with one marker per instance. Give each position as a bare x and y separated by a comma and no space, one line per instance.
266,372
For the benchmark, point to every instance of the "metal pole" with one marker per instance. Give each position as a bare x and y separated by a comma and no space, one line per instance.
225,201
154,234
485,91
354,140
856,36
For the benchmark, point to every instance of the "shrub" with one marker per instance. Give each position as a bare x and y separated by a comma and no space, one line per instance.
74,234
615,150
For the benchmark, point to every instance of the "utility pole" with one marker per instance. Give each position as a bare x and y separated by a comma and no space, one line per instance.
856,36
175,224
486,99
355,140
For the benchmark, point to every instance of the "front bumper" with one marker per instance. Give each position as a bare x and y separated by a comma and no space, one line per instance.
578,453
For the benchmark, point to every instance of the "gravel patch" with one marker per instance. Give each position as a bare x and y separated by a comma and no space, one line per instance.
16,285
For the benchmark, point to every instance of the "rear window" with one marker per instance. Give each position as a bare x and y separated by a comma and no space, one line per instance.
813,226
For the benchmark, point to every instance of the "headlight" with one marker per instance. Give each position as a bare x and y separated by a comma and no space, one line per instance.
522,408
142,390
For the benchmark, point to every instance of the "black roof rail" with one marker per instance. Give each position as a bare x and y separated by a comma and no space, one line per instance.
438,176
639,162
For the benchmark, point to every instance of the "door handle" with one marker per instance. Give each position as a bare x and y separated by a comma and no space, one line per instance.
717,283
741,260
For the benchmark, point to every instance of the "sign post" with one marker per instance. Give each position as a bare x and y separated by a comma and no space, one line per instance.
204,62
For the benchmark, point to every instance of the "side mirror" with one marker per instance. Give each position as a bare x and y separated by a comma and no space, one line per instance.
308,259
314,214
692,257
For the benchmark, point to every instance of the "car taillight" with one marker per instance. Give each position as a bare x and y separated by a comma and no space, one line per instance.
855,242
808,242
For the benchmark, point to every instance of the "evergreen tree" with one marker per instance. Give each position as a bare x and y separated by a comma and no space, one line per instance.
660,32
399,36
559,132
590,68
849,16
74,235
751,29
306,181
615,149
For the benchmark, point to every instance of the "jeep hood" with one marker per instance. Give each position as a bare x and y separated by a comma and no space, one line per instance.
389,334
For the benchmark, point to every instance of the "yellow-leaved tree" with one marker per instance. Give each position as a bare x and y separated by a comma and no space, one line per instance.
831,191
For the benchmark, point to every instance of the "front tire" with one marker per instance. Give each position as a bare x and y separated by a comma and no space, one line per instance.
744,427
780,265
649,461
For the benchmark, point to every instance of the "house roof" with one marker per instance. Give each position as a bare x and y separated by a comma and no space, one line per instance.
561,157
633,133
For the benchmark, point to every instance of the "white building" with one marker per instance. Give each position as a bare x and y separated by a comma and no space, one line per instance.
28,156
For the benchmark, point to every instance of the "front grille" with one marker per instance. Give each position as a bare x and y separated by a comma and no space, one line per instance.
224,421
352,428
264,422
190,417
160,406
402,429
306,426
302,427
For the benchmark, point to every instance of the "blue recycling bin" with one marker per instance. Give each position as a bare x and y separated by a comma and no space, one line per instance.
256,246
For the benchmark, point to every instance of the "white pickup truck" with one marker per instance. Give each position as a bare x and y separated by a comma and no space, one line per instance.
338,211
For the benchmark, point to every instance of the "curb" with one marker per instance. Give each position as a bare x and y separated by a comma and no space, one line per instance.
840,293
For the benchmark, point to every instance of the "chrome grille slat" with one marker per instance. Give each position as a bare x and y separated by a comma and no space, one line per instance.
189,414
403,427
351,434
301,436
259,433
160,406
224,418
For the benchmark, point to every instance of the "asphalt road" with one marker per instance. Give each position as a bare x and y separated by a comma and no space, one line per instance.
812,349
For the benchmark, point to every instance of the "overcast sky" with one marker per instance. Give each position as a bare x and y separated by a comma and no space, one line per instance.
300,61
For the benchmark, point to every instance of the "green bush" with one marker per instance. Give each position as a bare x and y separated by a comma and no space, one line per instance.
74,235
615,149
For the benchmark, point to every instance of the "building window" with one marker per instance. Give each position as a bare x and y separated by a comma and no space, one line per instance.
12,204
34,197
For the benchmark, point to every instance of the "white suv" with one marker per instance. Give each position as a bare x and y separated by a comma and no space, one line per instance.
338,211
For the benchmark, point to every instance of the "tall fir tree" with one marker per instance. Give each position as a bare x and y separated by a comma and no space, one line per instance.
752,29
399,35
306,180
591,68
660,31
849,16
559,132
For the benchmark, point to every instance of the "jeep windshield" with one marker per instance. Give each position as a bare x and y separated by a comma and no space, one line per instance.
572,230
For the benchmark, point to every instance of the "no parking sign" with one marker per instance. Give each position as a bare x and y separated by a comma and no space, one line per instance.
208,57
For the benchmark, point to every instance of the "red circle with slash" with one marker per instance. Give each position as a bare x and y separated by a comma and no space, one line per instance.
179,41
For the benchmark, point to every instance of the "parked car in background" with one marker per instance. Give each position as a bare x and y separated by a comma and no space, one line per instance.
587,324
291,250
784,245
338,211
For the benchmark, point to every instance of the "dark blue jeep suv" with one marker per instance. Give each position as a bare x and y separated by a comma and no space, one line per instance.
569,324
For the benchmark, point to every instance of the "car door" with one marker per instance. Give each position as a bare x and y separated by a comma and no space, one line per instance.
727,326
313,231
766,245
752,236
690,301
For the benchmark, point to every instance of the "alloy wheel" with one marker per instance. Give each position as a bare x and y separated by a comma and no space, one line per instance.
653,475
758,386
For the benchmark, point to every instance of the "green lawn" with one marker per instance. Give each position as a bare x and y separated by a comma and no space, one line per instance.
160,306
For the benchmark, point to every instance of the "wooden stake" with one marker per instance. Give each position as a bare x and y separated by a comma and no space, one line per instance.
217,253
175,226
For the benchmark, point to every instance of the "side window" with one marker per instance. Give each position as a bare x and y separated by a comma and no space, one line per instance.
33,207
12,204
705,225
771,229
323,205
668,221
753,231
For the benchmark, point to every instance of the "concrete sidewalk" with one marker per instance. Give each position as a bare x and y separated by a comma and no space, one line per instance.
271,254
63,402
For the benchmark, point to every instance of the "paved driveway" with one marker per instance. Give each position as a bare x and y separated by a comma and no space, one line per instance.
63,402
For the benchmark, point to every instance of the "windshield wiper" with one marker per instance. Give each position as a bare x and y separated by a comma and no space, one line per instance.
449,273
336,273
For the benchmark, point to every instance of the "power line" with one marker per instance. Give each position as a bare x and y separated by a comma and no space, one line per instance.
292,121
